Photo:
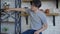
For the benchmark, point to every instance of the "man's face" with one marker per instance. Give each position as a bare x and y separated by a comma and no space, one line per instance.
33,7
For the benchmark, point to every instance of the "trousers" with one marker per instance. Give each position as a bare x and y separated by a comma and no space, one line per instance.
31,31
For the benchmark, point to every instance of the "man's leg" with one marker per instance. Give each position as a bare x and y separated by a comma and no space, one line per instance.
29,32
26,32
40,32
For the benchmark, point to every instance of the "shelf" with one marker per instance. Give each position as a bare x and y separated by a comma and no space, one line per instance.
26,0
52,14
24,15
7,22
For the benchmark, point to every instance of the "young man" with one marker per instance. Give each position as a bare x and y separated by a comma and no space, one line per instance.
37,17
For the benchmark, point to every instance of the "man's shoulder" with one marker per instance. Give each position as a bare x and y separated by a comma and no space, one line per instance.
41,13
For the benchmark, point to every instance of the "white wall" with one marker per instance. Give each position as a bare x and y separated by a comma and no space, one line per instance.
51,29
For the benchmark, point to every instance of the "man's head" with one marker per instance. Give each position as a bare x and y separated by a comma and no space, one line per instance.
35,4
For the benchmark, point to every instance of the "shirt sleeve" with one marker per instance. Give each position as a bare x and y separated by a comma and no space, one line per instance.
28,11
43,18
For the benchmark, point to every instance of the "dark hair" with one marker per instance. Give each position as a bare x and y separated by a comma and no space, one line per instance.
36,3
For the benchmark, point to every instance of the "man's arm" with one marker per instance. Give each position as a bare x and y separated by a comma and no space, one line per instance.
44,27
16,9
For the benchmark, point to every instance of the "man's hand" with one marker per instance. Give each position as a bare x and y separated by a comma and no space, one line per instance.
36,32
7,10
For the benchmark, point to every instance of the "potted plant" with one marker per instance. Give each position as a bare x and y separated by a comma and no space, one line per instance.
5,29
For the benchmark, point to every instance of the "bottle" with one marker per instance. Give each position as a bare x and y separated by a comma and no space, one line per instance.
6,6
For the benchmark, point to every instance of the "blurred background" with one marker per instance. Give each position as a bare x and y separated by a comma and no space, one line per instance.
50,7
